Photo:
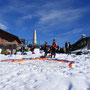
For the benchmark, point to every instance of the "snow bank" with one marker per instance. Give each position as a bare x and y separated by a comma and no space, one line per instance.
37,51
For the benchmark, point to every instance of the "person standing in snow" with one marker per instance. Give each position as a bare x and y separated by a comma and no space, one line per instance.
46,48
53,48
22,50
66,47
69,48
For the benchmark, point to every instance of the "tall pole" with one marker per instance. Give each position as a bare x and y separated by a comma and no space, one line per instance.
34,38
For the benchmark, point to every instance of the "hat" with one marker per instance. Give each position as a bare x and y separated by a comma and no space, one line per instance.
53,39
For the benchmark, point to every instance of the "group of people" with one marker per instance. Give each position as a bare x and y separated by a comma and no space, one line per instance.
53,48
68,47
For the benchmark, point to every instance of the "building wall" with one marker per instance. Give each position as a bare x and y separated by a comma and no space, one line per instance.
3,40
22,41
8,41
7,37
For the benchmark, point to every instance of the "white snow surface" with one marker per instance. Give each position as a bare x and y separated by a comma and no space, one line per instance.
43,74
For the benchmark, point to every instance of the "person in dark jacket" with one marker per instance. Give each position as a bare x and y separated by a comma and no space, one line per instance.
22,50
69,48
46,48
53,48
66,47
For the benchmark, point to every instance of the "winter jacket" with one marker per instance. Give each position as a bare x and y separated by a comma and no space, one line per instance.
54,45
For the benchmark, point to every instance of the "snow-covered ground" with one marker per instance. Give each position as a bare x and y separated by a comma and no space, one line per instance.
45,75
85,49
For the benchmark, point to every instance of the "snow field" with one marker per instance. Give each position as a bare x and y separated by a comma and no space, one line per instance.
45,75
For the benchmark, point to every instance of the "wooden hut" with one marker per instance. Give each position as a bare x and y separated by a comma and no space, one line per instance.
8,40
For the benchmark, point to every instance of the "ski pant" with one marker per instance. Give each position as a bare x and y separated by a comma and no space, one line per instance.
45,53
68,51
53,53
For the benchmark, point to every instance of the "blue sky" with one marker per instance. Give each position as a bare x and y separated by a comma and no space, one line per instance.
64,20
